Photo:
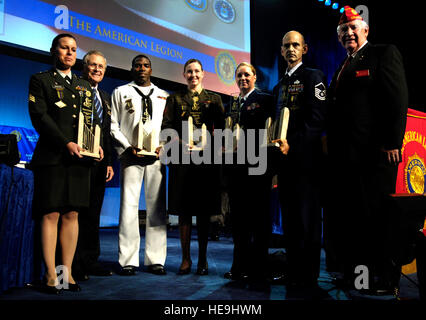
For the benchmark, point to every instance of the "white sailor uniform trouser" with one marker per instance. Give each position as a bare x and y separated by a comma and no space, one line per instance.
131,178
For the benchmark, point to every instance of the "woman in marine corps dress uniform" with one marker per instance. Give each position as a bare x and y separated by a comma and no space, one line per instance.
61,178
194,189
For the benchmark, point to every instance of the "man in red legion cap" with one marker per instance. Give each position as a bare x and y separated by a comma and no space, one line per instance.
367,102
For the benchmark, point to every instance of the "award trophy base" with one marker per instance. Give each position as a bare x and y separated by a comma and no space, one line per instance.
88,139
146,141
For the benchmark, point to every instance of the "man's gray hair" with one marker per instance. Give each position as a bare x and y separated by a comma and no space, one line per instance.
93,52
362,22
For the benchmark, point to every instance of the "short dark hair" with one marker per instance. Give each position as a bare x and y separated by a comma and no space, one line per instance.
139,56
192,61
56,39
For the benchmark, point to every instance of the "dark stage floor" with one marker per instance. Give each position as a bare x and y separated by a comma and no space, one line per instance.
150,289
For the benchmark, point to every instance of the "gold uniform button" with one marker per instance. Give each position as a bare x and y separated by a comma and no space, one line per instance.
74,106
73,95
74,116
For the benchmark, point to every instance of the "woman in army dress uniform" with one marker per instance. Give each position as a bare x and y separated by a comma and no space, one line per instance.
61,179
194,189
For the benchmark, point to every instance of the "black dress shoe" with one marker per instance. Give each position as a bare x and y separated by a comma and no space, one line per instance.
128,271
80,276
235,275
157,269
73,287
98,270
184,271
278,278
48,289
381,292
202,271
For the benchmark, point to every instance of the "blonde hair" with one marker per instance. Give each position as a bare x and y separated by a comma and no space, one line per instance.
246,64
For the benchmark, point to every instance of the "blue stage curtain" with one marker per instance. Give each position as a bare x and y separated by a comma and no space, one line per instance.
16,227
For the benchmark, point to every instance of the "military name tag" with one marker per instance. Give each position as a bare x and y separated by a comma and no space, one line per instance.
60,104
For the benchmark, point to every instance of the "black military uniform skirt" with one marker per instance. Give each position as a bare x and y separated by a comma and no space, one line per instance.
194,190
61,188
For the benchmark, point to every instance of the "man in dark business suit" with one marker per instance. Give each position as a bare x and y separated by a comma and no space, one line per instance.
88,247
368,100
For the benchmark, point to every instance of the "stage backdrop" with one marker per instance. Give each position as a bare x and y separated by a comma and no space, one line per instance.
412,171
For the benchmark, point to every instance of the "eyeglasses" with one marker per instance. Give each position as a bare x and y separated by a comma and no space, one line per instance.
95,65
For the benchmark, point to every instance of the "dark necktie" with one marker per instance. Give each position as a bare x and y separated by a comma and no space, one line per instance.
347,62
98,105
146,104
195,99
68,79
240,107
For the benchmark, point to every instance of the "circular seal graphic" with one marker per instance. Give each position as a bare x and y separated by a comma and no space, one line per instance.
17,134
225,66
197,5
224,11
415,174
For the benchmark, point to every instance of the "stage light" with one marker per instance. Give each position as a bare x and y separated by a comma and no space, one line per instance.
342,9
335,6
327,2
320,0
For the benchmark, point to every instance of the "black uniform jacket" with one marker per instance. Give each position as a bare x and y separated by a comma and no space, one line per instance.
254,110
179,107
367,108
304,93
54,107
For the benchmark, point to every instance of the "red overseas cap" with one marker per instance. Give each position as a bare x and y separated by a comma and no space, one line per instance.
349,15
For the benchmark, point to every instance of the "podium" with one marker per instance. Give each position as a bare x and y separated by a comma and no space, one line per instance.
16,227
407,212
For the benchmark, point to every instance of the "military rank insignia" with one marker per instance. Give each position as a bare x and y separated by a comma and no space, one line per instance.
129,106
320,91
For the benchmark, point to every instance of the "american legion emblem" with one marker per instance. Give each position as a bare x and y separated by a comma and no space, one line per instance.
225,66
415,174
